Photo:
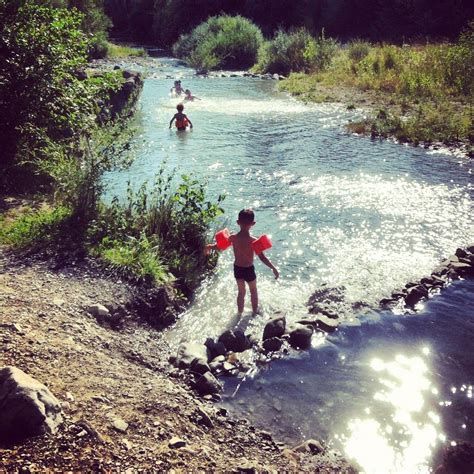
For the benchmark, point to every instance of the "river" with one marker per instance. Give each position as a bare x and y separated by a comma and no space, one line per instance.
369,215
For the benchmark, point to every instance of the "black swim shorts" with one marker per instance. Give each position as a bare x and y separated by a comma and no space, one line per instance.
245,273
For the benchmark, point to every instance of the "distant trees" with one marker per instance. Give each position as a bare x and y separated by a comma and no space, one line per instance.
163,21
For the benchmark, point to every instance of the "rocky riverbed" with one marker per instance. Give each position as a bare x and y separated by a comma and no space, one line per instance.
124,407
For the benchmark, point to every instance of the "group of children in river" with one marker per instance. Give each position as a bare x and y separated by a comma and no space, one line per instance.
182,120
244,245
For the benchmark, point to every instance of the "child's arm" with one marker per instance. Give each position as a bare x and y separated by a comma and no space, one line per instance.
190,123
171,122
269,264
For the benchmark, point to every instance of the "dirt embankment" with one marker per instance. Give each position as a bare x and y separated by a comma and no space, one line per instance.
123,402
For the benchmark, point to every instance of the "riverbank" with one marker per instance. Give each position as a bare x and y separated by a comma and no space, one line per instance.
104,375
418,94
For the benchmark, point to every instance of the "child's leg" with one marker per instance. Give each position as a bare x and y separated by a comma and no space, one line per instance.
240,295
253,294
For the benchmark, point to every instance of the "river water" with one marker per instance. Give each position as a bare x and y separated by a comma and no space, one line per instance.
387,390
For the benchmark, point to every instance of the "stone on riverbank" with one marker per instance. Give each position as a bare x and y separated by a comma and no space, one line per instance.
207,384
309,446
27,407
188,353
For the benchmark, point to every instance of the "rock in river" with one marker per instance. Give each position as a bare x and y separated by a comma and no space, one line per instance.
275,327
300,336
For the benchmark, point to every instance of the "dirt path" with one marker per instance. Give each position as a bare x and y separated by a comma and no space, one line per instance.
104,375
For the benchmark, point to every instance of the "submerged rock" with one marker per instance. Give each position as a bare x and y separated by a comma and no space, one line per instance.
27,407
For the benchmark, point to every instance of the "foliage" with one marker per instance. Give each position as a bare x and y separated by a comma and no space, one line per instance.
220,42
41,48
358,50
163,21
168,224
122,51
294,52
135,258
34,229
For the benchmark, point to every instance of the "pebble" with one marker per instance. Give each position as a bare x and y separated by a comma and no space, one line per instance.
120,425
176,443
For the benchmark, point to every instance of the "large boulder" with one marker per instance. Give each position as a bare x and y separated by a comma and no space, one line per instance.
275,327
27,407
235,341
300,336
188,353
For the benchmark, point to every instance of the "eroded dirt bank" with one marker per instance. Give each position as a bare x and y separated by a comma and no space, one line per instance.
123,403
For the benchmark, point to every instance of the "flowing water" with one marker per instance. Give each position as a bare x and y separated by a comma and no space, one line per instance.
343,210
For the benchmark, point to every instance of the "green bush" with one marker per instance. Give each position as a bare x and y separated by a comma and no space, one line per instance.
168,223
297,51
358,50
220,42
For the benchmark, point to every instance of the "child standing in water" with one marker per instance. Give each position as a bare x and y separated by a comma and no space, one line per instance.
182,120
244,270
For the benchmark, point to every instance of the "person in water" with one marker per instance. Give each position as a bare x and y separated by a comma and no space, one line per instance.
244,270
188,96
182,120
177,89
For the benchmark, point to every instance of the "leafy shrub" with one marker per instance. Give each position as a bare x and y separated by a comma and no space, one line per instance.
297,51
170,223
220,42
358,50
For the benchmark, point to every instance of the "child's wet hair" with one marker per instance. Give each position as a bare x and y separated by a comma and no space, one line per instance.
247,216
180,107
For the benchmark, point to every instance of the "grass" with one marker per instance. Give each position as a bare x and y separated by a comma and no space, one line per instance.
33,229
123,51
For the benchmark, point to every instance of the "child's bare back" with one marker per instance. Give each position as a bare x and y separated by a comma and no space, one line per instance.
243,251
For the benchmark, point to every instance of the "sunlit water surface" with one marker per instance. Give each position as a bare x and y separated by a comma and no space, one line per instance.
342,210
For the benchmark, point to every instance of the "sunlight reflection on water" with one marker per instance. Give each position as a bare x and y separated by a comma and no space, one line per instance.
405,442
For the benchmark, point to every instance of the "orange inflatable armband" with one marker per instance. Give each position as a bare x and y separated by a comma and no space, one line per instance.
261,244
222,239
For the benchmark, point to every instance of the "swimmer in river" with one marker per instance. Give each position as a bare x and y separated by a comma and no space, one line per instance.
177,89
189,96
182,120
